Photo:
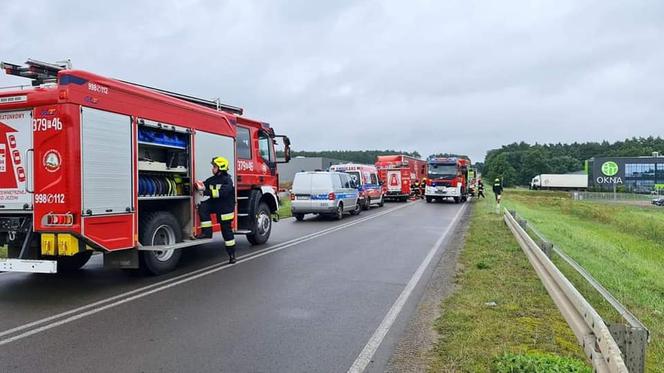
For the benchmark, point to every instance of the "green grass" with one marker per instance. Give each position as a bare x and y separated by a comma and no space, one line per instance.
284,208
3,251
524,322
622,246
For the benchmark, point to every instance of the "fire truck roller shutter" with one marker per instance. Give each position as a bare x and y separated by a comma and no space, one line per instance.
106,155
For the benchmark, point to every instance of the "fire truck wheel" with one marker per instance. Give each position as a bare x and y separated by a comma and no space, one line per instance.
340,212
263,226
159,228
299,217
367,204
382,201
72,263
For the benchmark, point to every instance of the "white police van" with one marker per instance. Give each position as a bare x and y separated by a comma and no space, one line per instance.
323,192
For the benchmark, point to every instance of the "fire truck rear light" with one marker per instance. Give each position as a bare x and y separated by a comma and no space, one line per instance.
59,219
332,196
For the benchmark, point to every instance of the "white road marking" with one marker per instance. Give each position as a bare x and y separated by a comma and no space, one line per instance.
367,353
132,295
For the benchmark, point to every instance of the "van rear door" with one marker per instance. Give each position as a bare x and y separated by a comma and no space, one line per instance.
15,158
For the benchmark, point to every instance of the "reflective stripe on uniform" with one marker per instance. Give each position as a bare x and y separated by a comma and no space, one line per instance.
215,193
230,243
228,216
206,224
214,190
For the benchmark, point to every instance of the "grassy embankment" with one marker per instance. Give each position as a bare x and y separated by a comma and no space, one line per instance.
622,246
479,337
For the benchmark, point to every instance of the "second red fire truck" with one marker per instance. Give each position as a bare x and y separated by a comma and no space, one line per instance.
447,178
89,163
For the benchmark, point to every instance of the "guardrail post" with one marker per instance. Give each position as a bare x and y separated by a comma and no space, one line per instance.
547,247
632,343
523,223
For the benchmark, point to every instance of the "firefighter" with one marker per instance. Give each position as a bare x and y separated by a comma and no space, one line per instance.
219,187
480,189
497,189
423,186
415,188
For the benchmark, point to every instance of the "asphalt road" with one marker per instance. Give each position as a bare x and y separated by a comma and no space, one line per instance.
323,296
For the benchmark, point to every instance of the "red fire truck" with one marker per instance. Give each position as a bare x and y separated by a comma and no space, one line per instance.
106,165
448,178
398,173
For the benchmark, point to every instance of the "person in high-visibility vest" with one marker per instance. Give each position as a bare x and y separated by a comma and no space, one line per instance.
497,189
219,187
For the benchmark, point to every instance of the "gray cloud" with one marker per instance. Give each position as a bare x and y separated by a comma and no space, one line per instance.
431,76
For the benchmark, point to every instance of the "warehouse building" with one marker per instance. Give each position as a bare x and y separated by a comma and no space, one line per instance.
626,174
288,170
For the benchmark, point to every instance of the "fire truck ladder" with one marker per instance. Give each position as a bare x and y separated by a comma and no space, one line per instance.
40,72
44,72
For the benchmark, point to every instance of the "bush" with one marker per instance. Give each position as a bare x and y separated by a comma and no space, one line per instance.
538,363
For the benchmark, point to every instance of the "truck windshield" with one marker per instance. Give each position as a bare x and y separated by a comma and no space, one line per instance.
437,171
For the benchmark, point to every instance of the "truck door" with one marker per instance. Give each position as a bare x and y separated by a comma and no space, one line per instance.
16,155
393,180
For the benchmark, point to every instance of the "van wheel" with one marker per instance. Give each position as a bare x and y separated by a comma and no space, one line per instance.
429,199
382,201
457,199
340,212
71,263
357,210
159,228
367,204
299,217
263,226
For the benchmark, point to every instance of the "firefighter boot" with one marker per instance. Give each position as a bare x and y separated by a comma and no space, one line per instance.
205,233
230,250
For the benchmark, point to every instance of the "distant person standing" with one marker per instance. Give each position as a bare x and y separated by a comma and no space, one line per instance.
480,189
497,189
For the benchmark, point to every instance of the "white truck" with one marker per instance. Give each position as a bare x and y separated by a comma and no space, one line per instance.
560,182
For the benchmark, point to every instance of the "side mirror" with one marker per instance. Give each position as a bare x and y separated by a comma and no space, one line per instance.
286,152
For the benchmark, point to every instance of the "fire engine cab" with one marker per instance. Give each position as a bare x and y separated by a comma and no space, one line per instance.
93,164
447,178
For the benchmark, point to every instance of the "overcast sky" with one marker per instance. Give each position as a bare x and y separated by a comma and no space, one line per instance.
431,76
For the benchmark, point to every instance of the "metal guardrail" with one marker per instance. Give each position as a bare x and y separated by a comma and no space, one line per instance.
588,326
632,336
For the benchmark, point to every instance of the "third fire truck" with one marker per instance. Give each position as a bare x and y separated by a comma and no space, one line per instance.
448,178
94,164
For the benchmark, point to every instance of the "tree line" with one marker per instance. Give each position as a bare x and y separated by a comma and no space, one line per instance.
518,163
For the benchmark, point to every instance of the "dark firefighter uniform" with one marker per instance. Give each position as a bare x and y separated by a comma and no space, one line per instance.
497,189
480,189
423,187
219,187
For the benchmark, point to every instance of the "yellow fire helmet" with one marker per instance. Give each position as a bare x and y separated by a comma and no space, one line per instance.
220,162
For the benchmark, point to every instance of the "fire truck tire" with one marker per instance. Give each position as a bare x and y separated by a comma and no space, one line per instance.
340,212
263,226
382,201
159,228
71,263
299,217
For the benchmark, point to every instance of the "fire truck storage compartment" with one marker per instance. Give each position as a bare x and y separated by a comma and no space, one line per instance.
107,162
164,177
